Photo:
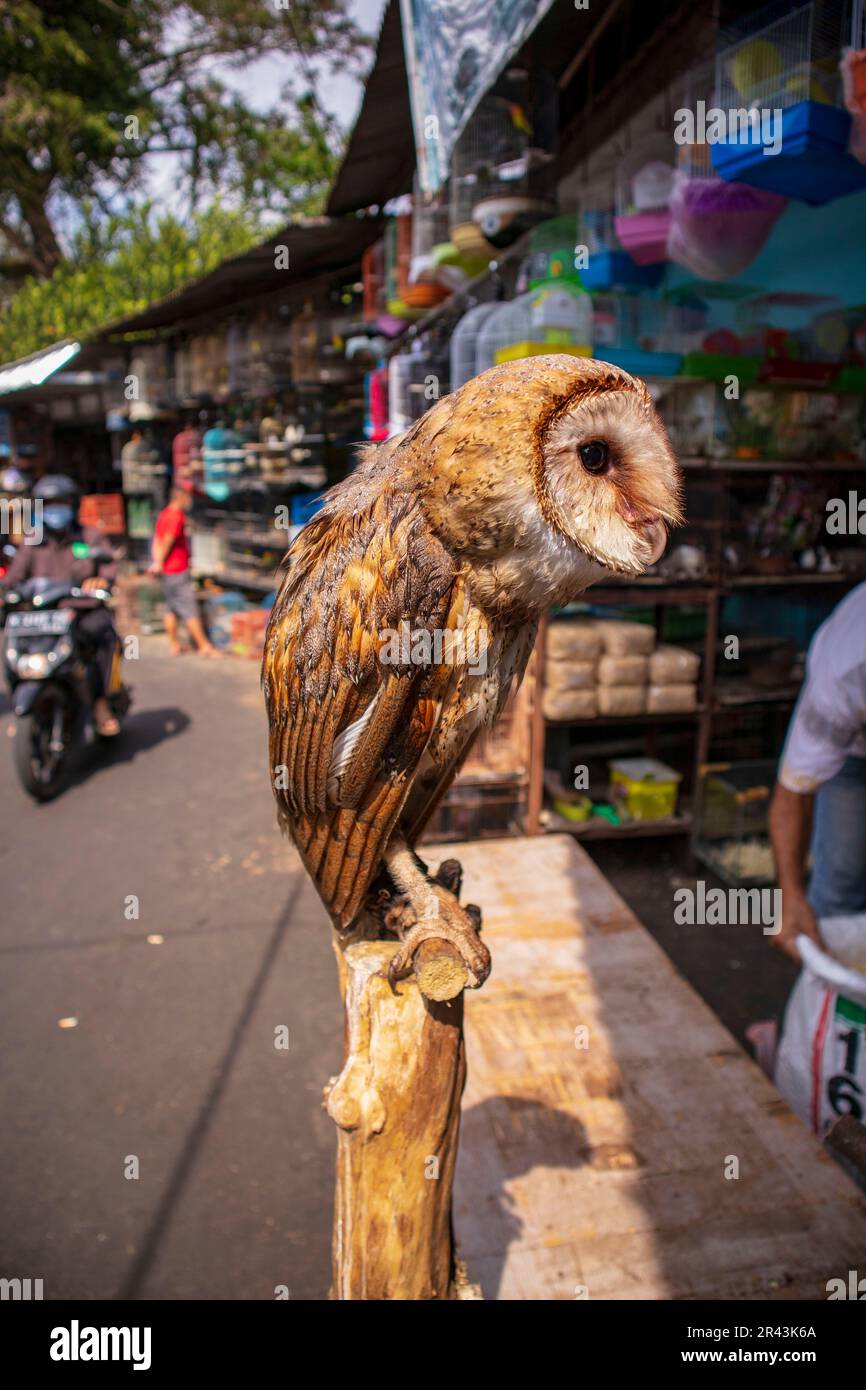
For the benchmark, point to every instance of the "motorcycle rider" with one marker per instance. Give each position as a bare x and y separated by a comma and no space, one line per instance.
73,553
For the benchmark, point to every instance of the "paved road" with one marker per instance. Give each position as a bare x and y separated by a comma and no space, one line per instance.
173,1058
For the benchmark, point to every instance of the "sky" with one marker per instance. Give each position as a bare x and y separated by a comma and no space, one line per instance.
260,83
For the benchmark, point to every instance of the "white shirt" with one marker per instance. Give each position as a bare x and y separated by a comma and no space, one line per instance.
829,722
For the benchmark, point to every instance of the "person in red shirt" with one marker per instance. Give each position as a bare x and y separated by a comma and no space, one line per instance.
170,557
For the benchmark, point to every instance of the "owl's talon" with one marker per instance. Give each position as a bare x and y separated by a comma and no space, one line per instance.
448,922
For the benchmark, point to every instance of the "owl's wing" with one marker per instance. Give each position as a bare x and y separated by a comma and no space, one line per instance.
348,729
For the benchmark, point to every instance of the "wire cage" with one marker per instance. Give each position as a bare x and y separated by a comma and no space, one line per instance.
398,260
780,83
600,258
373,280
644,185
304,340
786,55
430,238
464,343
503,170
509,323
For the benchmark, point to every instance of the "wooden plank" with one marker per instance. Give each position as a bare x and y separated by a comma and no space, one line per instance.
599,1171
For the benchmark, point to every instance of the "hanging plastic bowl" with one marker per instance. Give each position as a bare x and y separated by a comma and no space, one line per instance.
645,235
813,163
718,228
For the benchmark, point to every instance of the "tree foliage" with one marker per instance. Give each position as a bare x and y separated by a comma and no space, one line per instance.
116,266
91,92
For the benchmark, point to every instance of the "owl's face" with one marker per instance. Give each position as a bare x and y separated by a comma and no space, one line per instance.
607,479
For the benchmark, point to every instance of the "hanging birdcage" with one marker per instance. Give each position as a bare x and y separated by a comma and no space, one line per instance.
398,260
717,228
373,280
644,184
304,338
779,87
599,256
376,422
629,331
464,343
503,171
417,281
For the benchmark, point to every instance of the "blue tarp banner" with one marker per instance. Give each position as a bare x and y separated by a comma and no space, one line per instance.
455,50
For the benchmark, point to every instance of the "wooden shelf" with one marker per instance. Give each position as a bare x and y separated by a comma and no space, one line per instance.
597,828
650,590
735,465
741,694
796,579
674,717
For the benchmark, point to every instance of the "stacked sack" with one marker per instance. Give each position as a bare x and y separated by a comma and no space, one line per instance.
600,666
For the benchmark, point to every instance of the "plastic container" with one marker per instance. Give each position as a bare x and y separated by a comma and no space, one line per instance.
644,788
615,270
813,165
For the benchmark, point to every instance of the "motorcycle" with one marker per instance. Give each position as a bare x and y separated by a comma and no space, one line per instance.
45,660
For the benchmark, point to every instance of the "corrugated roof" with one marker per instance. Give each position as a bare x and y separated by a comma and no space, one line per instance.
315,247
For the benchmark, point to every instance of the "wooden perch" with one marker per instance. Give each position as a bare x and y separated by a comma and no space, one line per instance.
397,1107
396,1104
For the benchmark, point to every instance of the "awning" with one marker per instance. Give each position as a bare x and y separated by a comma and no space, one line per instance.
37,368
293,256
380,157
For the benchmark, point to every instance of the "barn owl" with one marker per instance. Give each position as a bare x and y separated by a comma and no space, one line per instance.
411,603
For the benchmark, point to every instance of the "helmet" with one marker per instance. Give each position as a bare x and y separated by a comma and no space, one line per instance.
59,496
56,487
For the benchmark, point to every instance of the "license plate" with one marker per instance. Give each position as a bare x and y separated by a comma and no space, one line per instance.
53,621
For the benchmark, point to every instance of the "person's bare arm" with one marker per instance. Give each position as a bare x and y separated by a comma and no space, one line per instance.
790,833
162,543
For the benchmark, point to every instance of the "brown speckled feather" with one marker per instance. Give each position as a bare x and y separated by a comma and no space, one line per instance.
354,576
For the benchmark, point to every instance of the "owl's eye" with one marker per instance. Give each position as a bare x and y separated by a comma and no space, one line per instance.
594,456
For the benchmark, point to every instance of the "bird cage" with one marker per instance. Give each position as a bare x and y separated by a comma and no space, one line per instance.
373,280
399,402
430,222
414,384
780,85
503,170
555,316
209,365
644,184
304,342
628,331
464,343
376,419
717,228
398,259
509,324
238,357
552,251
599,256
